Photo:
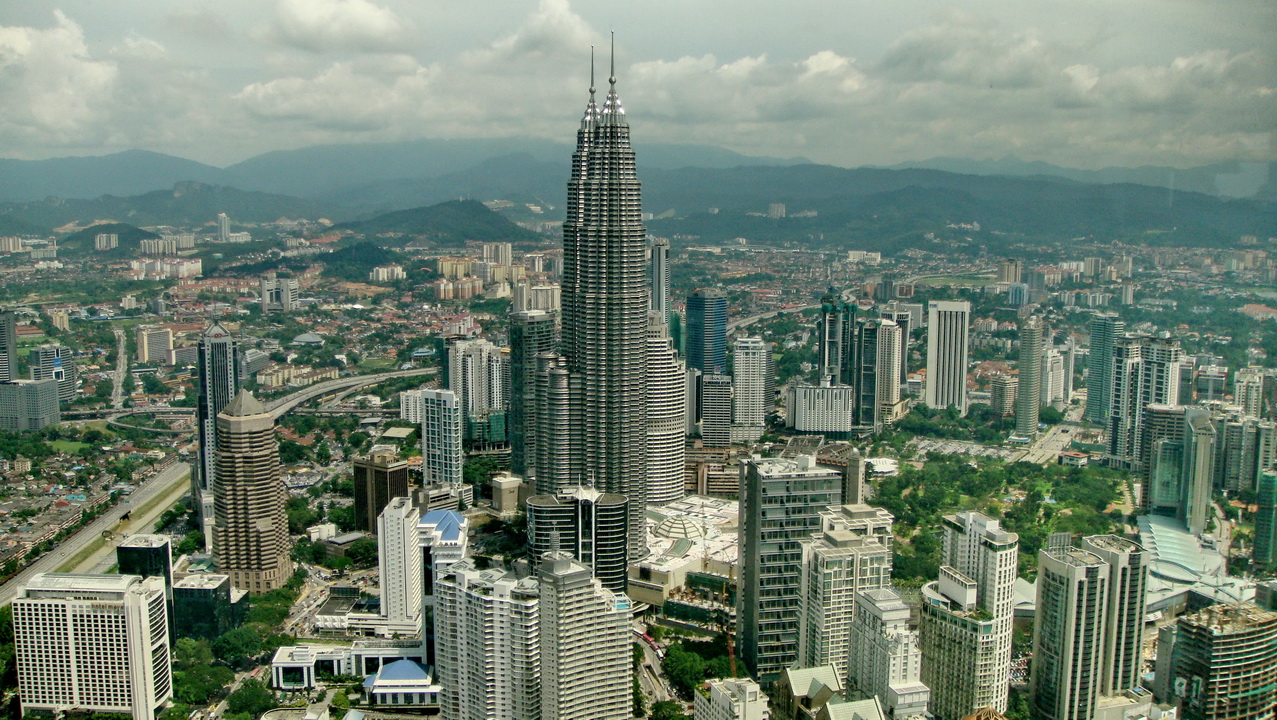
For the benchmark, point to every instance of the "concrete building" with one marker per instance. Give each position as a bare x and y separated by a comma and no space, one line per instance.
379,477
442,536
250,534
753,388
399,560
441,437
1068,634
278,294
588,524
476,370
823,408
1125,604
885,660
731,699
660,263
488,644
92,642
154,344
965,628
781,504
1223,663
948,323
531,333
716,410
666,414
8,346
55,362
28,404
1145,372
1264,550
874,372
1248,390
1003,390
219,373
1028,398
586,667
850,555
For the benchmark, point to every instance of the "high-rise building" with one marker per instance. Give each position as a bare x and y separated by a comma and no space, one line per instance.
399,566
707,330
948,323
585,644
965,628
219,377
223,228
731,699
1028,399
1010,271
1068,634
488,644
666,414
205,607
589,524
8,346
28,404
716,410
874,372
500,253
477,373
902,316
661,278
531,333
1003,390
781,504
250,534
278,294
885,657
1122,655
441,433
56,362
442,538
753,388
850,555
148,556
1223,663
154,344
605,304
833,347
1104,329
93,642
1145,371
379,477
1264,550
1248,390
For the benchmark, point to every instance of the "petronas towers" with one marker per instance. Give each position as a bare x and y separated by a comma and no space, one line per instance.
591,400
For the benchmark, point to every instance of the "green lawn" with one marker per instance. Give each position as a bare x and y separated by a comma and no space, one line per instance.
67,446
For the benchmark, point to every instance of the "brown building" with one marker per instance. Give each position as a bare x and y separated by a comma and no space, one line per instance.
250,536
379,478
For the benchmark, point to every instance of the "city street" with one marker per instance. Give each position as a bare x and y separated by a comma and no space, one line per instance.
160,485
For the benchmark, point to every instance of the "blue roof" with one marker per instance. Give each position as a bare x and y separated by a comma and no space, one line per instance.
399,670
448,523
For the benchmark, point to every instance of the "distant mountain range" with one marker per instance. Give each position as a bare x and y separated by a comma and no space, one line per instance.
411,190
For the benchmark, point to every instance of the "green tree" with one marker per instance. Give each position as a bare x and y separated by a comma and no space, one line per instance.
252,697
667,710
363,552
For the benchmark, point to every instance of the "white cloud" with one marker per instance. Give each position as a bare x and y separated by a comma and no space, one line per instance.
53,90
328,25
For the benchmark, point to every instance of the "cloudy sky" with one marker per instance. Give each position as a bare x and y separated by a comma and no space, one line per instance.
1080,83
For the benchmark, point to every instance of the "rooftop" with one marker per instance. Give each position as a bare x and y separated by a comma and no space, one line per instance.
81,581
145,541
201,581
1230,617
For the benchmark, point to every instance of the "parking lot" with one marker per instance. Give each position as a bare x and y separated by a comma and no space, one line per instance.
960,447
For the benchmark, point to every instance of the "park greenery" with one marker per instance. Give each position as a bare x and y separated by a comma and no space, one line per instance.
1031,500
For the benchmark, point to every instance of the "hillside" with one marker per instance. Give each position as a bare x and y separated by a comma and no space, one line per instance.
132,172
130,236
448,223
187,203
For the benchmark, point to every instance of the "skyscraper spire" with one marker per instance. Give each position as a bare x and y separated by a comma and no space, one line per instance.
612,112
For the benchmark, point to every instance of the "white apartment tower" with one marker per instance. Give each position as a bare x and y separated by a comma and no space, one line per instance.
850,555
477,372
666,414
585,644
1068,634
488,644
93,642
399,565
441,434
1248,390
753,388
948,322
966,617
1125,609
886,657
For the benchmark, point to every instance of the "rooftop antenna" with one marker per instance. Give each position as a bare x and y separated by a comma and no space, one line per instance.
612,76
591,72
